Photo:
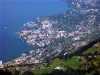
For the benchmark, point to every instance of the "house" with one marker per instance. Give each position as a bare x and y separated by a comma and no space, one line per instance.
59,68
0,63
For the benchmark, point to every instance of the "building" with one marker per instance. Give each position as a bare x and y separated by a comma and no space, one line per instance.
59,68
0,63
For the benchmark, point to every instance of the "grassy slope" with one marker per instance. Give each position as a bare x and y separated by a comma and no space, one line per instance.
43,70
92,50
73,62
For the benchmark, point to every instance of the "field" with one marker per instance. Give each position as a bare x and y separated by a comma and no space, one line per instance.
43,70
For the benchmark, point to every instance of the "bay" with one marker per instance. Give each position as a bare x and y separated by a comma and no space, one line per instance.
13,12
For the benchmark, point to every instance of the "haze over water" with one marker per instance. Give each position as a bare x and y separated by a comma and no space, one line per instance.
13,12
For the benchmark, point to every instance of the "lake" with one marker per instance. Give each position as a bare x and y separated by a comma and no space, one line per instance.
13,12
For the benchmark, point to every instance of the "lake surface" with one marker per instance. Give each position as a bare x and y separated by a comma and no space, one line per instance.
13,12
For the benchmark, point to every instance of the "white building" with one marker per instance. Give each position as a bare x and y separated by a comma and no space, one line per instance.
32,51
0,63
24,54
59,68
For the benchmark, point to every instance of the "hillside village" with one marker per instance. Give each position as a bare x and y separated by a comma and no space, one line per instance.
86,62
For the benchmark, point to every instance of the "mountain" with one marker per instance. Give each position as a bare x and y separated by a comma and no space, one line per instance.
63,43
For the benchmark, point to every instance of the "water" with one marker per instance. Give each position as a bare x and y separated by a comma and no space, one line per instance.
13,12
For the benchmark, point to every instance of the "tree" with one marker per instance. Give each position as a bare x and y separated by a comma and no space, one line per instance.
80,59
95,53
5,72
57,72
28,73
